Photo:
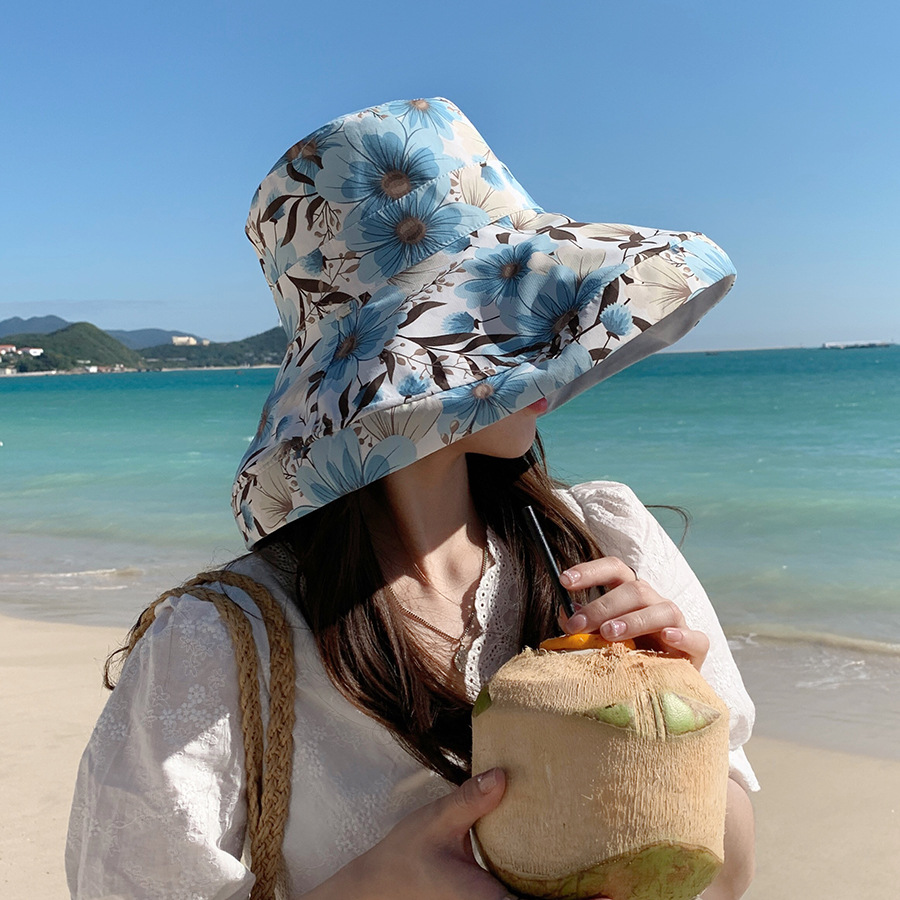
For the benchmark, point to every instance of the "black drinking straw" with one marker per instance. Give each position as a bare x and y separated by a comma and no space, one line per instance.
538,534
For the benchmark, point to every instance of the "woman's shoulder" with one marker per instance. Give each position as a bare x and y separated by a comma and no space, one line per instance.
604,500
251,582
184,620
273,567
619,521
188,623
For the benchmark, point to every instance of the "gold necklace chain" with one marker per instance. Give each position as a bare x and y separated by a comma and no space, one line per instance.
455,642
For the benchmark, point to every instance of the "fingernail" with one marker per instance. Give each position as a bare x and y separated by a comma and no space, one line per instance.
577,623
613,629
570,577
487,781
672,635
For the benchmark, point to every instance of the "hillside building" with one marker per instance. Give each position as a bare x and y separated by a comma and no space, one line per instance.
20,351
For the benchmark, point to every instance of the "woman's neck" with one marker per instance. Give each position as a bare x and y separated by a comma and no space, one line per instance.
436,532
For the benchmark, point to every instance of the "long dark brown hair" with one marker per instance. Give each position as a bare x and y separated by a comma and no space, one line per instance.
364,647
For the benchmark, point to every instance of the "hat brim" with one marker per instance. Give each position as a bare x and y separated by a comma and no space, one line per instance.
525,307
665,333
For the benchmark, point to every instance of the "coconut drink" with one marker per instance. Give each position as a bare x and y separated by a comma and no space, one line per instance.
616,763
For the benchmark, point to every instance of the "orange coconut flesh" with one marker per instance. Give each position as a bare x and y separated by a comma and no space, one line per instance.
581,642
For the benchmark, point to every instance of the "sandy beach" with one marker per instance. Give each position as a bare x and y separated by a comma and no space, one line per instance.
828,823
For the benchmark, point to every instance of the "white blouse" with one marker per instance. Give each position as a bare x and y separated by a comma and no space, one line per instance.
159,810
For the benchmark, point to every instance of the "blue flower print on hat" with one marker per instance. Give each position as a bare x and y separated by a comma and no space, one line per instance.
275,262
303,161
386,166
409,230
704,259
617,319
486,401
338,466
298,168
412,385
500,178
501,274
493,178
313,263
574,360
459,323
247,515
435,114
353,335
557,306
269,415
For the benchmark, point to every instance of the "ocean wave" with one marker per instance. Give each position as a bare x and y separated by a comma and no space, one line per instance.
96,587
121,572
787,634
837,675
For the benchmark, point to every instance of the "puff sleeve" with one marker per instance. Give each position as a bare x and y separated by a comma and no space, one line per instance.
625,528
159,810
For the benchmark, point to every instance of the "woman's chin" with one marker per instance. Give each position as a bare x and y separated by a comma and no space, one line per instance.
509,438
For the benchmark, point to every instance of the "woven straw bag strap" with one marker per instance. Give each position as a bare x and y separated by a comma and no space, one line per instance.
268,762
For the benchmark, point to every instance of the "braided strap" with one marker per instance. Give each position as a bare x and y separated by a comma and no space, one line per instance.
268,762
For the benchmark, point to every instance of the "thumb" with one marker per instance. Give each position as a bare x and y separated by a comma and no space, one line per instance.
456,813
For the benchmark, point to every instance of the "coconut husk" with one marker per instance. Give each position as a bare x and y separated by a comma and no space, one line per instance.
616,764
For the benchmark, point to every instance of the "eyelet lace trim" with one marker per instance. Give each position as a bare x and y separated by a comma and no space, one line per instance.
495,632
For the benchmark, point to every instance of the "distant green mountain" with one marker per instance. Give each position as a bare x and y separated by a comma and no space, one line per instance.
73,346
34,325
135,339
83,344
261,349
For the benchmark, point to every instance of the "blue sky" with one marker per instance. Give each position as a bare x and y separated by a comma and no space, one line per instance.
134,134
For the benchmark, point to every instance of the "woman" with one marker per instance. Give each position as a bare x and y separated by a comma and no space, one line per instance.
433,311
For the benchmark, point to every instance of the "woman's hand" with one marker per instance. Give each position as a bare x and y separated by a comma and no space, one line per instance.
630,608
428,854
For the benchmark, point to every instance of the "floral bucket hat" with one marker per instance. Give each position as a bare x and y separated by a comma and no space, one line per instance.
425,295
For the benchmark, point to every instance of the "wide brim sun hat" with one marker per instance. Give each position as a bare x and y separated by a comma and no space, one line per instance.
425,296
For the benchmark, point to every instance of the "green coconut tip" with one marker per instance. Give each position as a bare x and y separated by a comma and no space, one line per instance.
664,871
683,716
619,714
482,702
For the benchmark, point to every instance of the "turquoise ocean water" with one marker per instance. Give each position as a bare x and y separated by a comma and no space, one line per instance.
117,486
